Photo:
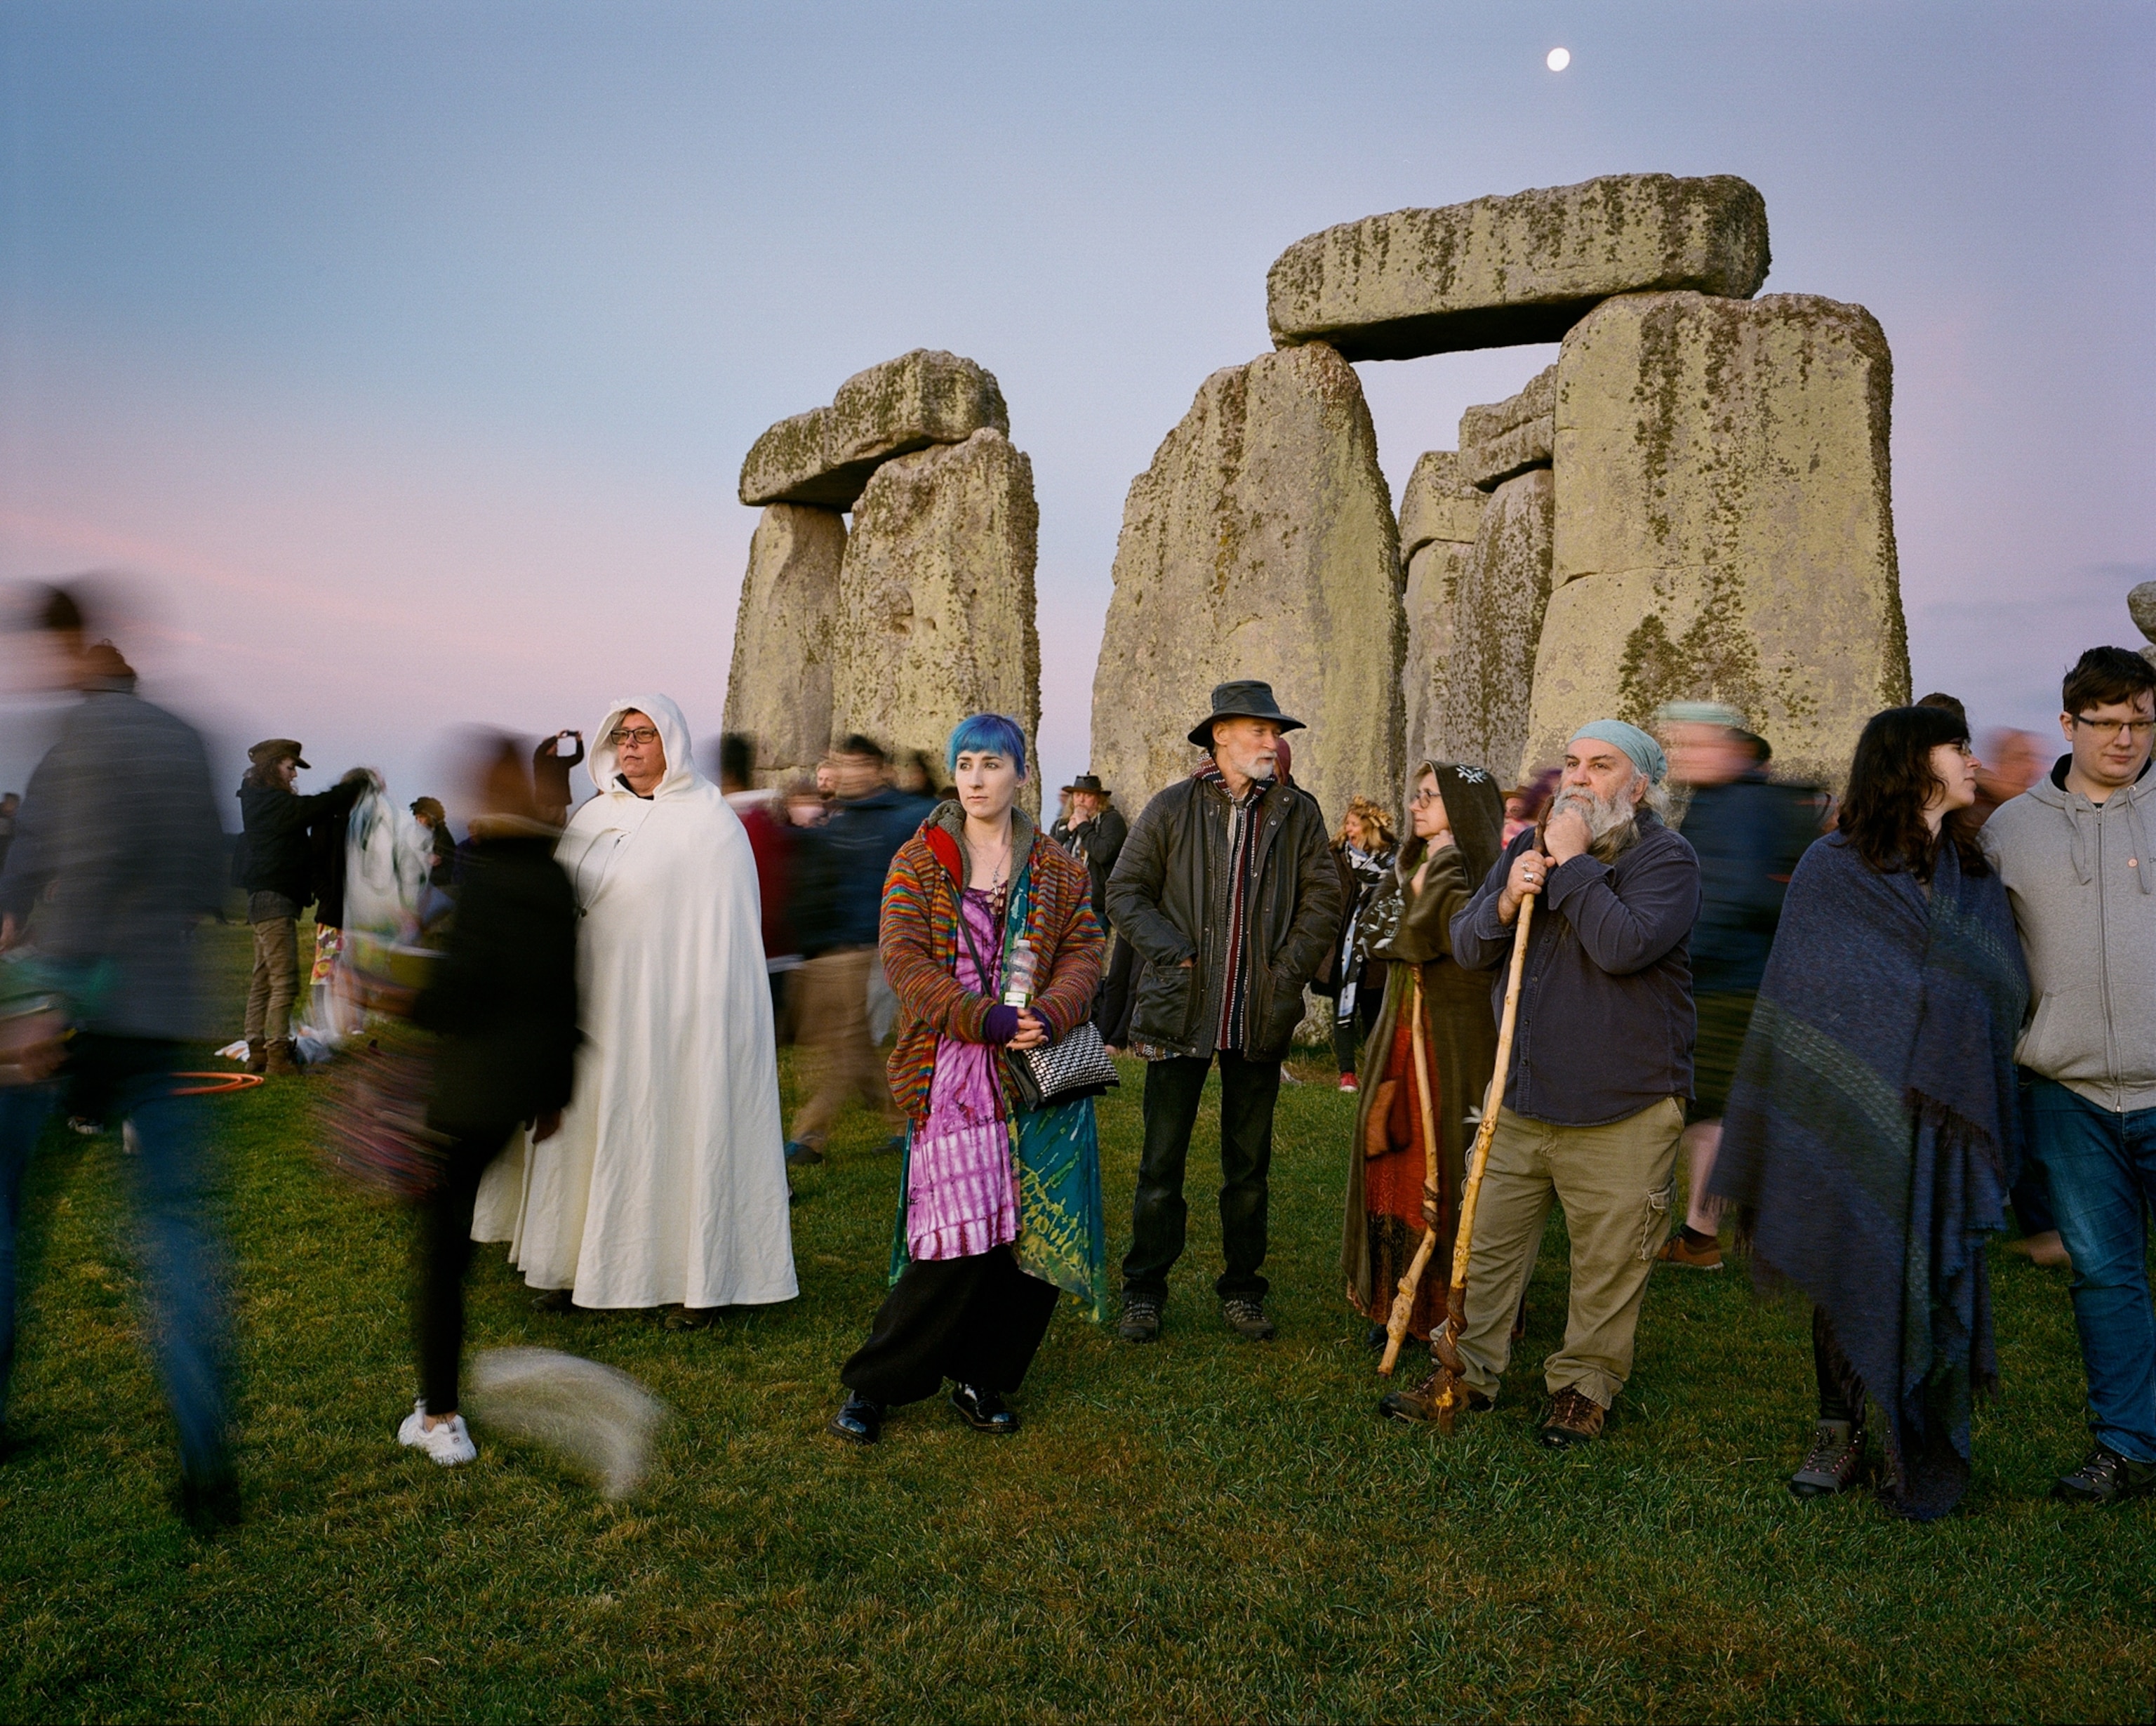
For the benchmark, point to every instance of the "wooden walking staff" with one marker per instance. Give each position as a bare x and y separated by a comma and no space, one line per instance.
1396,1326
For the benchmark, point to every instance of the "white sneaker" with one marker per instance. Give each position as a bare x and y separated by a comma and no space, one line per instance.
448,1443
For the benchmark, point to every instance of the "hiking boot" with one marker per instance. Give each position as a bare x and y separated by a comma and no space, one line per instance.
2105,1478
1141,1319
280,1064
1572,1419
1678,1250
1835,1463
1247,1319
1418,1406
258,1057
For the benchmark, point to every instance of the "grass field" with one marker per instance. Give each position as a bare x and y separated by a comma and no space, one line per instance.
1204,1529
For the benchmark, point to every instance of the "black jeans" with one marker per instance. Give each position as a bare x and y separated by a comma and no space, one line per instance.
1158,1214
977,1321
1349,1033
442,1250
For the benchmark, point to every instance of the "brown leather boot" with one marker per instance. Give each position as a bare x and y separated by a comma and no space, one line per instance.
280,1064
258,1057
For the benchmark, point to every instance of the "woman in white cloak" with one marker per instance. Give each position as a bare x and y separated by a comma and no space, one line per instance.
666,1184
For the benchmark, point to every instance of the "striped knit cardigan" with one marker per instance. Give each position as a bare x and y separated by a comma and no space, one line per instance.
920,939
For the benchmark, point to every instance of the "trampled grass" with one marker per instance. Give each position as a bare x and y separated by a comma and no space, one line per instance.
1203,1529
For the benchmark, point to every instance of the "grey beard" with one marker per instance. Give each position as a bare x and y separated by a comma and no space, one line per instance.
1603,815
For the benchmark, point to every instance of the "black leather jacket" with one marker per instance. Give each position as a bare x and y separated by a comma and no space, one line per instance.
1169,898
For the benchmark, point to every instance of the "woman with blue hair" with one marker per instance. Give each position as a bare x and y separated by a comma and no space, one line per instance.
990,941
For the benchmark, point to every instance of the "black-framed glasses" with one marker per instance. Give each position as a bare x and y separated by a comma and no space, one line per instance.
644,734
2136,729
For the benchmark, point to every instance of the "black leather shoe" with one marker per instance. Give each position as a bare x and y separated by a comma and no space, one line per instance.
859,1421
983,1411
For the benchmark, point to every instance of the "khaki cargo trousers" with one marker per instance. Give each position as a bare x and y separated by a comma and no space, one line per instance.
1614,1183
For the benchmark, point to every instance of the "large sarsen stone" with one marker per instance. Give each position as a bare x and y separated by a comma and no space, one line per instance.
1440,514
1726,527
825,456
779,688
1504,270
1260,543
1511,436
936,598
1483,681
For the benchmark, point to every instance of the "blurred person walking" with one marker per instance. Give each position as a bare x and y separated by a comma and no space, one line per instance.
1748,831
275,866
1432,1049
118,855
1872,1127
1353,975
502,999
1594,1102
666,1184
1227,892
771,838
2074,853
836,908
1000,1206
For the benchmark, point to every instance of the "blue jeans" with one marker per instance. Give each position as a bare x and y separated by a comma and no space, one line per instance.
2102,1170
182,1254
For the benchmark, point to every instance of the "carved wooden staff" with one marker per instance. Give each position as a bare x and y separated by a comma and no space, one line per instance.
1396,1326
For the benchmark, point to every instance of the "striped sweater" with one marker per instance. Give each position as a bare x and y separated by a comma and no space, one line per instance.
920,945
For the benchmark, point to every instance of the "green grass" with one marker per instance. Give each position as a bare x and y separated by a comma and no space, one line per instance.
1203,1529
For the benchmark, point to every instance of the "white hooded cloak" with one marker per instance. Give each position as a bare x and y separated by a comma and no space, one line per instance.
667,1181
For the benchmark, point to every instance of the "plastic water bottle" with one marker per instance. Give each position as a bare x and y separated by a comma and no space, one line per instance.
1018,979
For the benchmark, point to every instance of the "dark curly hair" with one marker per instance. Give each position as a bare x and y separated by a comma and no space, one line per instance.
1890,780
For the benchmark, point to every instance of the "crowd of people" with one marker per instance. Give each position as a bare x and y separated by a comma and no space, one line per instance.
1867,1026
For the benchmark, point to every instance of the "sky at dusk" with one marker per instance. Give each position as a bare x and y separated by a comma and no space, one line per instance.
403,358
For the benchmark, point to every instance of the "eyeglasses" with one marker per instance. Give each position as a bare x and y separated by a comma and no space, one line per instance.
645,735
2136,729
1423,798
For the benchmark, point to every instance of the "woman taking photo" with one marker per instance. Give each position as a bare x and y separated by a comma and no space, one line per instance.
1872,1127
1436,1017
999,1209
1362,853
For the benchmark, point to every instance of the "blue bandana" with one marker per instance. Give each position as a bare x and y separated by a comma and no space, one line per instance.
1646,754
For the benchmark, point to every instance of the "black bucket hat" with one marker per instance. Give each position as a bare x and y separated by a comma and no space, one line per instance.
1243,699
1088,782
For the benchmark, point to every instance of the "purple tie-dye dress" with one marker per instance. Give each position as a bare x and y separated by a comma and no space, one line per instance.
962,1194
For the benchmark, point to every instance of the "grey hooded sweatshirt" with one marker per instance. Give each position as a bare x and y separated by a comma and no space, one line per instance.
2078,874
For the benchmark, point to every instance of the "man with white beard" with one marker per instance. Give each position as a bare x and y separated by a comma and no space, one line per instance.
666,1182
1594,1103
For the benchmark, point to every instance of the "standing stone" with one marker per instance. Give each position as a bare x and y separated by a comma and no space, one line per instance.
1440,514
1260,543
1500,271
936,599
1496,623
1512,436
2140,606
1728,528
778,690
825,456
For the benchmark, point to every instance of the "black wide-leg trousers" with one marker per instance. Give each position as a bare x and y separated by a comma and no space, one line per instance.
977,1321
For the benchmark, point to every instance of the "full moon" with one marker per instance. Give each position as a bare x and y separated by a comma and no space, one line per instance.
1559,58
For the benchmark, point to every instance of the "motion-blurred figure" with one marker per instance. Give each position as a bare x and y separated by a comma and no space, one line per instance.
275,864
118,853
836,912
666,1185
503,999
2013,761
771,836
1524,805
1748,831
441,843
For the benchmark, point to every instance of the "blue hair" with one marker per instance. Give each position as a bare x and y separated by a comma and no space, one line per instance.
988,733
